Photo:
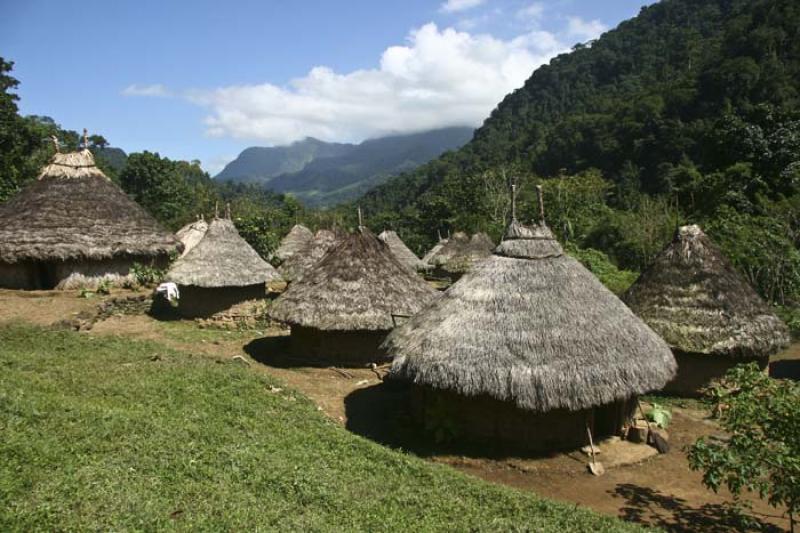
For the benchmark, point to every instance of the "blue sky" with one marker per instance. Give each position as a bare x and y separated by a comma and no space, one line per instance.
203,80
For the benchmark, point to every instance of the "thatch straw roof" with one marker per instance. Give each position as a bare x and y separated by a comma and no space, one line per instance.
433,251
358,285
294,241
294,267
222,259
73,211
461,252
191,234
401,251
696,300
531,325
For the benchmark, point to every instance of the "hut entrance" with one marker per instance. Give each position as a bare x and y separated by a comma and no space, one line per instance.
44,275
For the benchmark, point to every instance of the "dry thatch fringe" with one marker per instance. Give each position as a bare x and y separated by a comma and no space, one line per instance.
294,241
401,251
73,211
534,328
294,267
191,234
358,285
461,253
693,297
222,259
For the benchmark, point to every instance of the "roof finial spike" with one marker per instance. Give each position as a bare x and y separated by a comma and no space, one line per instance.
360,221
55,143
85,139
216,209
439,234
513,202
228,210
540,197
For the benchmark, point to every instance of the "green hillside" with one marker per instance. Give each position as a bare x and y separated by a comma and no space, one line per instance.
688,112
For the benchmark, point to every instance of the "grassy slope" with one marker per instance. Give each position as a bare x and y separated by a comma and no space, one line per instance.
98,435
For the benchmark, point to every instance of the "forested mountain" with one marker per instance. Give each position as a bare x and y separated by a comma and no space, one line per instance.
259,164
322,174
688,112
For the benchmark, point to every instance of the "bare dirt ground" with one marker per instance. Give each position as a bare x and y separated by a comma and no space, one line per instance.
660,490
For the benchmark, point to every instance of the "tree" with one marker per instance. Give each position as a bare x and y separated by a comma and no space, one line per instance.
761,415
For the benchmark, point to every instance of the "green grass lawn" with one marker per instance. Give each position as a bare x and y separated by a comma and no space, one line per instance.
110,433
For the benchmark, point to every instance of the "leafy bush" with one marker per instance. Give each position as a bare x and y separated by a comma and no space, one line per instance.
659,415
790,315
601,266
762,453
146,275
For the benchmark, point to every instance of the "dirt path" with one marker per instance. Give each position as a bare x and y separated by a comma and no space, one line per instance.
659,491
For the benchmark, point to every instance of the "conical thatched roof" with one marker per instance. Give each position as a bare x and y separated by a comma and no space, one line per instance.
358,285
222,259
294,267
73,211
401,251
694,298
461,252
433,252
191,234
531,325
294,241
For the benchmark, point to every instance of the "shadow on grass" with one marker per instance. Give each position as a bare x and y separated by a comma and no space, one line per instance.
647,506
382,414
785,369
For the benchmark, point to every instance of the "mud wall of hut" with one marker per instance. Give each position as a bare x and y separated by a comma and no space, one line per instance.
72,274
504,427
202,302
339,347
696,371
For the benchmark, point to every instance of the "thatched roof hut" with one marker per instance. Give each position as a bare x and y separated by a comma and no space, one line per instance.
220,271
401,251
344,305
461,253
191,234
294,241
528,346
705,310
294,267
433,252
74,227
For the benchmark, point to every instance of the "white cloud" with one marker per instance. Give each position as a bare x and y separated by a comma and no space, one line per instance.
531,13
145,90
438,78
583,29
454,6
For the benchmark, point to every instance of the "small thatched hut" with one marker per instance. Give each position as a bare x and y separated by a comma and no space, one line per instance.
528,349
294,241
460,254
343,307
73,227
433,252
222,270
294,267
191,234
709,315
401,251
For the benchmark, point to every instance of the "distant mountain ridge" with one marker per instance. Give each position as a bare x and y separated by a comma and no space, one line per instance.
322,174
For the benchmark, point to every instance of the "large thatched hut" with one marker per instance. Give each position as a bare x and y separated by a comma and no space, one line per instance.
294,241
402,252
527,350
222,270
73,227
343,307
706,312
460,254
433,252
302,260
191,234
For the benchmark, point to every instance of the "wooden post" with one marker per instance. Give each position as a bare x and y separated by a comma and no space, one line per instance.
513,202
540,196
85,139
359,217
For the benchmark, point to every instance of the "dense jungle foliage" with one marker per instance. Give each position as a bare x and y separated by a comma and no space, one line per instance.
687,113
